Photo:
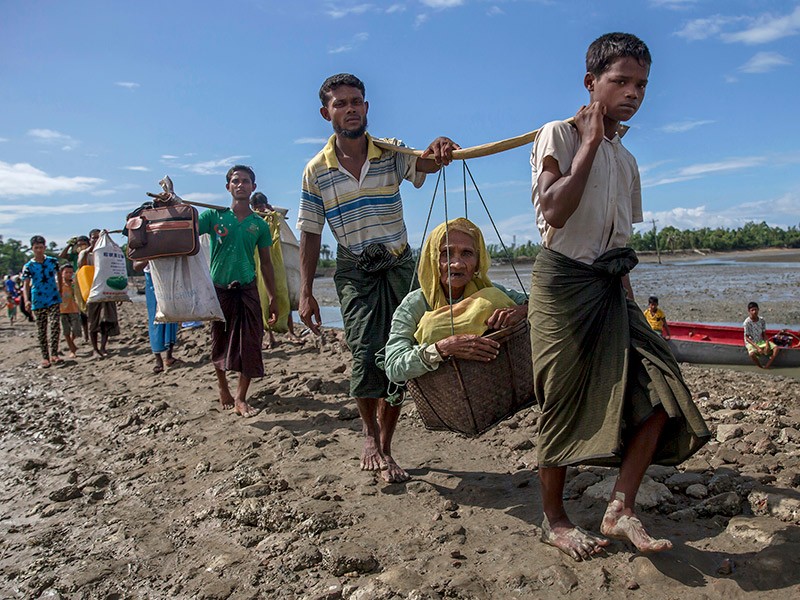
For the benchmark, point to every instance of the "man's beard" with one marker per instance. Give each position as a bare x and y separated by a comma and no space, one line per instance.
352,134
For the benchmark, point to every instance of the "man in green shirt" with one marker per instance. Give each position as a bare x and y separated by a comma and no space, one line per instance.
235,233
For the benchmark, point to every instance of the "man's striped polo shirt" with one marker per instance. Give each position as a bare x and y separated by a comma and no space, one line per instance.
362,211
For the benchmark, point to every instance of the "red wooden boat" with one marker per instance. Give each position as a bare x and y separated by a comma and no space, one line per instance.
724,345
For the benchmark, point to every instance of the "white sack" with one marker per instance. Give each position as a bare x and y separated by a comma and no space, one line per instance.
290,250
184,290
110,283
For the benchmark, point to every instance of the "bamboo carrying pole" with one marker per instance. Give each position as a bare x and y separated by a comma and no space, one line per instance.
201,204
474,151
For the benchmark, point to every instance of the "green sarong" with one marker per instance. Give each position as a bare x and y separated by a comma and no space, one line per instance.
599,369
370,287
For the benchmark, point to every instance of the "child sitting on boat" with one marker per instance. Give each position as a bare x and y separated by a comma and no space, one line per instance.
755,338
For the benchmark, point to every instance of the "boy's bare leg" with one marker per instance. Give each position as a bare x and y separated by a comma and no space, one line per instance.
225,397
71,345
93,336
756,362
620,520
371,458
103,342
241,406
772,358
387,422
557,529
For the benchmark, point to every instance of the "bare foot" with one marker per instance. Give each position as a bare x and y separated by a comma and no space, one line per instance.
391,471
371,459
173,361
56,360
226,400
621,524
573,541
72,355
44,364
245,410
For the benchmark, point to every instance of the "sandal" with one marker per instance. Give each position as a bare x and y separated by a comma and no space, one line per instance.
45,364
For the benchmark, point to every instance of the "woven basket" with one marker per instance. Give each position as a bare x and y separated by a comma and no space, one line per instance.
469,397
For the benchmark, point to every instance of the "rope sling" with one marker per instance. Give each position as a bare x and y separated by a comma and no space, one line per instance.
466,396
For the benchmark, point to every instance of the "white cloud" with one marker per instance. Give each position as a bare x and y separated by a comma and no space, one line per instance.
700,170
395,8
10,213
358,9
130,85
673,4
136,168
439,4
23,179
764,62
101,193
169,157
420,20
311,140
53,137
783,211
768,28
357,40
756,30
493,11
701,29
683,126
212,167
2,139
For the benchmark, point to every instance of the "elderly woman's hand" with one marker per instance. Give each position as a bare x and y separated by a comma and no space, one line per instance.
506,317
468,346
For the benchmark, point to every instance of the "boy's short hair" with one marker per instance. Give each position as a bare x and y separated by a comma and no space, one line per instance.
334,81
67,265
652,300
244,168
611,46
752,305
37,239
93,231
82,239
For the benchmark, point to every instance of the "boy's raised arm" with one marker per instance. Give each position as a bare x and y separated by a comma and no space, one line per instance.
560,194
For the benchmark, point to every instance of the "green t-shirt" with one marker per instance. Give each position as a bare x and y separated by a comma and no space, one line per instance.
233,245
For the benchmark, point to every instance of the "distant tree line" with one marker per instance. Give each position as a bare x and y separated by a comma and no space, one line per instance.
748,237
751,236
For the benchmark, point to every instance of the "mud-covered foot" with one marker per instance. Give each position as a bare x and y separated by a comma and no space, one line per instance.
572,540
621,524
391,471
45,364
226,400
245,410
371,459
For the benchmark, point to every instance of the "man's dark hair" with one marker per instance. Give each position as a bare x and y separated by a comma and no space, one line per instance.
652,300
93,231
37,239
67,265
752,305
82,238
259,198
244,168
334,81
611,46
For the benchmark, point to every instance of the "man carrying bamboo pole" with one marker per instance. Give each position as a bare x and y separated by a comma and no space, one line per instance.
354,186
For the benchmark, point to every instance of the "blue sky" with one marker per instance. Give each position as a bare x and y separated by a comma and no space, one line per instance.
100,99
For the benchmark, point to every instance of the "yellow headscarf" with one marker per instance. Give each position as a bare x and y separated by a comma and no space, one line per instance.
428,271
480,297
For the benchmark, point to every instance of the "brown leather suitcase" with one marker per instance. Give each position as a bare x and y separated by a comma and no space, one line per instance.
163,231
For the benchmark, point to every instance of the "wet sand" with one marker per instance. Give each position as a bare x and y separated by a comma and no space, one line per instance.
118,483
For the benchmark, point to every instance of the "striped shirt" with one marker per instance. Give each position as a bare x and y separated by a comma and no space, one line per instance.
360,211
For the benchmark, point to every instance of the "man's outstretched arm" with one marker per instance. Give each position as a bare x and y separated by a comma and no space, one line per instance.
310,244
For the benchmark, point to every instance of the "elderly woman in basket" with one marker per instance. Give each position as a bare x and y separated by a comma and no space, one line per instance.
454,306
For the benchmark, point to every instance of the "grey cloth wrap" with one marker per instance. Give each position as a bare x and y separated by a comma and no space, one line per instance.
370,287
599,369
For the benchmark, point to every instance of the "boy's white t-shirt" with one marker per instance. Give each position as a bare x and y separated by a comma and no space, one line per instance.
611,202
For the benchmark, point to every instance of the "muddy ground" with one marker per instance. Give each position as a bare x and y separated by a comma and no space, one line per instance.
118,483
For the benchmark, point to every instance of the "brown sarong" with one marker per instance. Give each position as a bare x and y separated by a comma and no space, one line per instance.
236,343
103,318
